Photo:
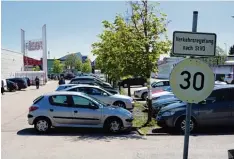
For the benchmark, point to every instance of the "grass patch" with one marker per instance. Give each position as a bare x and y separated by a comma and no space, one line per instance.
146,128
140,119
138,105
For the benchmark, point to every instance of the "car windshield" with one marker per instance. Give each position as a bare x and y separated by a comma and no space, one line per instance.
96,100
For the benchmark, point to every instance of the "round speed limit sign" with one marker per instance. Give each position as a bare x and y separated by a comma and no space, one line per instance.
192,80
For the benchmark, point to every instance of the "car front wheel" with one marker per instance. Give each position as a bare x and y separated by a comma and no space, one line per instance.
113,125
42,125
181,125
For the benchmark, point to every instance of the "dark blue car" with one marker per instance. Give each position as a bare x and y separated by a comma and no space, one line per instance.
216,110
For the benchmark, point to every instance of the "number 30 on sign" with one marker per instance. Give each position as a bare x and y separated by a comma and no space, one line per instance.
192,81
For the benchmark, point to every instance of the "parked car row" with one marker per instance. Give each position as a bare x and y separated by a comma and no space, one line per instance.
13,84
216,110
86,101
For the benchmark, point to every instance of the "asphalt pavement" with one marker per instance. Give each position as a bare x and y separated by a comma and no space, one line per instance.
20,141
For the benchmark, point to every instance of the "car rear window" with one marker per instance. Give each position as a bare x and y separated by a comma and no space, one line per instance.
38,99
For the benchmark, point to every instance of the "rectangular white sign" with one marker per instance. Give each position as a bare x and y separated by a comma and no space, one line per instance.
194,43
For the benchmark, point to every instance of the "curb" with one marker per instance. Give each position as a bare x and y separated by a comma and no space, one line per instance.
152,134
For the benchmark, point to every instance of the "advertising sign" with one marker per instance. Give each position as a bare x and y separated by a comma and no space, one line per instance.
34,45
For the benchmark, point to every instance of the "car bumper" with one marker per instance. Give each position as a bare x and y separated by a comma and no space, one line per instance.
128,123
30,119
164,121
130,106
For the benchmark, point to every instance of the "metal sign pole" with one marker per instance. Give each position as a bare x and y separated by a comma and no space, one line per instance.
189,105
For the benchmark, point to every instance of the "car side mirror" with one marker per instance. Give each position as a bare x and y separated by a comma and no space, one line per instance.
105,94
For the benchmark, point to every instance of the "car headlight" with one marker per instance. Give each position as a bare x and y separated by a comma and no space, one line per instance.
138,91
168,113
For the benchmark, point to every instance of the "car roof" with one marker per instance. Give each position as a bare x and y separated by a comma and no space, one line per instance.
166,99
162,93
82,85
161,80
63,93
15,78
84,77
216,87
68,84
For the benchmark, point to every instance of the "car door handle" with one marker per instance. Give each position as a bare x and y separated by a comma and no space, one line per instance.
75,111
51,110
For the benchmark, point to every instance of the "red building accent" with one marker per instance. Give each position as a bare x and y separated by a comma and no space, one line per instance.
31,61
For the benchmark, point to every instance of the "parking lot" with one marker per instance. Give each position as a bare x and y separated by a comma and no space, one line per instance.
19,140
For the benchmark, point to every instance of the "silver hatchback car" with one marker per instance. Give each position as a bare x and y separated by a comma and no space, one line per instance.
74,109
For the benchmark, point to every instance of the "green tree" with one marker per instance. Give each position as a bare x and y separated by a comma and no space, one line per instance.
231,51
57,67
133,47
220,51
78,64
36,68
73,62
86,67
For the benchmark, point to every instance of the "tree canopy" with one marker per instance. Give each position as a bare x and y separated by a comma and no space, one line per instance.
57,67
36,68
231,50
73,62
132,47
86,67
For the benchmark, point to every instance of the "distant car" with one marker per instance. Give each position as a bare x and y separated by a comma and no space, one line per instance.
21,82
28,81
69,76
73,109
95,83
81,79
11,86
160,95
159,85
104,96
64,86
216,110
133,82
158,104
219,83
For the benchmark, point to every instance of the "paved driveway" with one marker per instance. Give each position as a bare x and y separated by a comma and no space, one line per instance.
19,140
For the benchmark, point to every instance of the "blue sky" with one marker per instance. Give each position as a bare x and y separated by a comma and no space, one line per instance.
74,26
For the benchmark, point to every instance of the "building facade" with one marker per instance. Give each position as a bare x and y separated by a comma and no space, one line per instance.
12,62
